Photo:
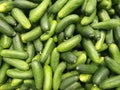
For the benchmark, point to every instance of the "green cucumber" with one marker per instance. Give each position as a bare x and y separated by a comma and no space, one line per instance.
19,64
19,15
6,29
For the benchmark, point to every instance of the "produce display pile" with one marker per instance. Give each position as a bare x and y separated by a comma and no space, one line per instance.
59,45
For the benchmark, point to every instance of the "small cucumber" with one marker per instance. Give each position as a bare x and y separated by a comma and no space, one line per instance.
15,73
86,68
110,83
19,15
69,44
19,64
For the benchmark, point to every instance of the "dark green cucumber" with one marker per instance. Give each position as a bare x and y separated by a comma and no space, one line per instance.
44,22
86,68
100,75
112,65
110,83
69,31
9,19
85,31
73,86
17,43
68,81
68,57
6,29
38,45
3,71
61,37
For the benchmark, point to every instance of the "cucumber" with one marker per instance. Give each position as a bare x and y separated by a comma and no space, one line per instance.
86,31
6,29
86,20
81,59
114,52
14,54
16,82
107,24
68,57
9,19
90,7
7,86
5,41
69,31
91,51
49,46
110,83
85,77
112,64
37,73
19,15
69,44
55,57
69,7
47,78
15,73
73,86
31,35
99,43
34,15
17,43
44,22
86,68
100,75
19,64
23,4
6,6
57,6
70,19
3,71
68,81
38,45
69,74
58,75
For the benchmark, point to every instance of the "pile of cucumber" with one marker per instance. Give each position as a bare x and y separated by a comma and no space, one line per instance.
59,44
